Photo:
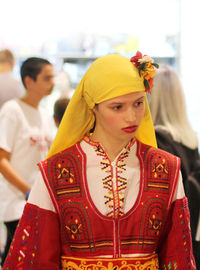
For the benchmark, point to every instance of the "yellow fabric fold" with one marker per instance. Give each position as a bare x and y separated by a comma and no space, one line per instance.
108,77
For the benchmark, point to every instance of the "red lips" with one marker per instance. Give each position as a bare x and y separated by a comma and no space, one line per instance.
130,129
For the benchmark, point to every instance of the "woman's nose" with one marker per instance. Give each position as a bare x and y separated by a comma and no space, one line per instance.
130,116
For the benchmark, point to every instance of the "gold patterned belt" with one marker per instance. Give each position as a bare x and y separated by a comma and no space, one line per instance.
135,263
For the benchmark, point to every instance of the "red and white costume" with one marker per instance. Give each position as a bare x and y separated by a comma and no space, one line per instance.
92,213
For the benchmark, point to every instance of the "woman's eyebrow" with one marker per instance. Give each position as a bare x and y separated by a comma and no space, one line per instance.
139,98
121,102
114,103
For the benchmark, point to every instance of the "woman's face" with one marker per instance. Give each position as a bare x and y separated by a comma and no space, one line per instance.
119,118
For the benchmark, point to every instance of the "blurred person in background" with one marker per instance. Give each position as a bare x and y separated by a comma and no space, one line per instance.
175,134
106,198
25,139
9,86
59,110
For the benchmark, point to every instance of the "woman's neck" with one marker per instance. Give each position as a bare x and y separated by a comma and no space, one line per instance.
111,146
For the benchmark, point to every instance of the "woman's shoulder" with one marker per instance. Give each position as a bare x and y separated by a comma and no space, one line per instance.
163,133
166,142
70,151
155,151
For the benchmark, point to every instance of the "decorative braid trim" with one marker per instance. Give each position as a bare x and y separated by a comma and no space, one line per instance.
137,263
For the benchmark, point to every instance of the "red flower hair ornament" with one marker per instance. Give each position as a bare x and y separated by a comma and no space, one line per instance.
146,68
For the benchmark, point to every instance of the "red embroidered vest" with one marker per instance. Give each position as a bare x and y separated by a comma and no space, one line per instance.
85,232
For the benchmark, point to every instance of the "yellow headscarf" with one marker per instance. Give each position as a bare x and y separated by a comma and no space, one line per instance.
108,77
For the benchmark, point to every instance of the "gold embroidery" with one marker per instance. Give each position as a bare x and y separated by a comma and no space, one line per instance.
143,263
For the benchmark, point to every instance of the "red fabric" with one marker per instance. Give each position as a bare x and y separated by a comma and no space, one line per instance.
36,244
175,251
85,231
152,225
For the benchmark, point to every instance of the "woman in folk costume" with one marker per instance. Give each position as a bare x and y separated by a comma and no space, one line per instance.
108,198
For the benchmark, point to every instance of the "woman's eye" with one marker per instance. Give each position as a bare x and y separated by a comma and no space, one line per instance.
116,108
137,104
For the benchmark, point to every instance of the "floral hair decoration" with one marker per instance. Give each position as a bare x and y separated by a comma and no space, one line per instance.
146,67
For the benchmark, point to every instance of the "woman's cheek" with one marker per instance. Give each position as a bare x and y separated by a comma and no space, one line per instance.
112,121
